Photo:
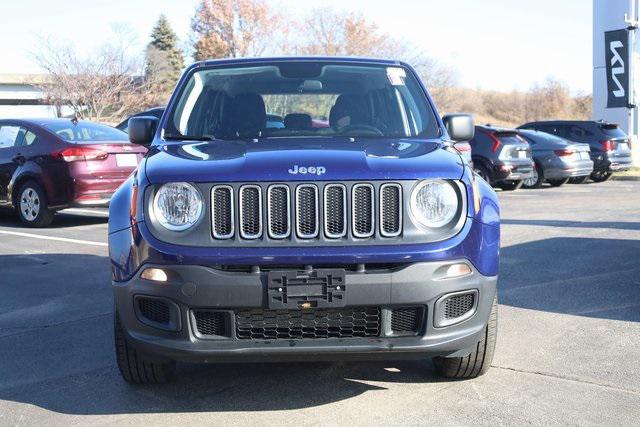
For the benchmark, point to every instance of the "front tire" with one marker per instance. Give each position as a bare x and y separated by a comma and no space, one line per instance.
479,360
557,182
32,207
510,185
134,367
600,176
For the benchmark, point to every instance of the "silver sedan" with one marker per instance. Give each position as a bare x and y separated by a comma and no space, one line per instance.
556,159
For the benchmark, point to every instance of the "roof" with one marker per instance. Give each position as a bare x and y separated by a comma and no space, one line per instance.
262,60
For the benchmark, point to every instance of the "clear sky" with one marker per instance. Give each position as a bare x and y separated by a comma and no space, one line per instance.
493,44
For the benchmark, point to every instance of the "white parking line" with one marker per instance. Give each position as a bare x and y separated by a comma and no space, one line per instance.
87,211
58,239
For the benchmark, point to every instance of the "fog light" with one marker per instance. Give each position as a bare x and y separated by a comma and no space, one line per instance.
457,270
452,271
154,274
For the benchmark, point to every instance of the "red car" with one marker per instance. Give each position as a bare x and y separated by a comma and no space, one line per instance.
51,164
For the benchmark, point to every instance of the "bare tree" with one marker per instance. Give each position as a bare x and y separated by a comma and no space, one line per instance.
103,86
233,28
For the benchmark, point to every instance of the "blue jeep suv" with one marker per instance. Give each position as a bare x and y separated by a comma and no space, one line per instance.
354,230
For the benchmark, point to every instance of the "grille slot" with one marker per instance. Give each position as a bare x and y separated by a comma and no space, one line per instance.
390,210
211,323
258,324
250,212
458,305
335,211
406,320
307,211
278,211
222,211
362,212
154,310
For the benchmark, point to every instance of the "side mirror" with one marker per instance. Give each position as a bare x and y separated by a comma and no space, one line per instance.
142,129
460,126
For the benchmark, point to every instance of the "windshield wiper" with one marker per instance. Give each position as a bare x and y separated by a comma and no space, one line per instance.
189,137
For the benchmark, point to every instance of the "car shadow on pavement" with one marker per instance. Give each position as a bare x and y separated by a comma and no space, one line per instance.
61,220
573,224
589,277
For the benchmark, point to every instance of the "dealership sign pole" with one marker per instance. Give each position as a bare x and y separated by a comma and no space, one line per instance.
616,56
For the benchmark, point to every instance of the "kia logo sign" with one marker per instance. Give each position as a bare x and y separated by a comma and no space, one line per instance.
617,60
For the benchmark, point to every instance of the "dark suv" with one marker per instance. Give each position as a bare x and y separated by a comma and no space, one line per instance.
610,146
501,157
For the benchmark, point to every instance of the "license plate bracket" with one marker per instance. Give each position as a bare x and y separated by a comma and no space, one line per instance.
301,289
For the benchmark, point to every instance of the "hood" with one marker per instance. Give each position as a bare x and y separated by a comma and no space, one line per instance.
301,159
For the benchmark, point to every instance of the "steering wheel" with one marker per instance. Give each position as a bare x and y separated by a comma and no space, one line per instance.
350,129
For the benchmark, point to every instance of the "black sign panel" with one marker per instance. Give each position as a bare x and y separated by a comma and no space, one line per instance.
617,60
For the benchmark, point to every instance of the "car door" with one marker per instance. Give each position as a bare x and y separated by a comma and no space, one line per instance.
9,162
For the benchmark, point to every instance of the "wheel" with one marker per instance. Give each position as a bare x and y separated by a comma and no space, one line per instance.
600,176
482,172
536,179
510,185
134,367
579,179
32,206
558,182
479,360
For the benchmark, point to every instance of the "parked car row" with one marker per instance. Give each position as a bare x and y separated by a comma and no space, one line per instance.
555,152
51,164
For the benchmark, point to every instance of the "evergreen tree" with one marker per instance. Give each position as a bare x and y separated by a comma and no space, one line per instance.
164,60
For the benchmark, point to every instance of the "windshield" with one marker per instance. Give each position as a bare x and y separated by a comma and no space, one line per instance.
79,132
302,99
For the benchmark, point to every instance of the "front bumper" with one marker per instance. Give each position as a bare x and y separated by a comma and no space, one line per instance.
199,287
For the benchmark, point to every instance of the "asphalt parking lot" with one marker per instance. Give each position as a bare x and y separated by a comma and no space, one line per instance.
568,343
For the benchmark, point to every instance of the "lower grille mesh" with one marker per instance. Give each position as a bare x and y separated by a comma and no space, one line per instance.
211,322
406,319
154,310
458,305
308,324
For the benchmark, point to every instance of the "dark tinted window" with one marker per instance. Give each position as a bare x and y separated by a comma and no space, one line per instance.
612,130
579,132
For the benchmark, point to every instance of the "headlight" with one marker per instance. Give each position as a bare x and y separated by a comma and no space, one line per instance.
434,203
177,206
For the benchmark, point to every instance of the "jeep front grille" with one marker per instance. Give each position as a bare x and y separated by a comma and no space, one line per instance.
335,211
307,211
222,208
250,212
390,210
278,211
363,212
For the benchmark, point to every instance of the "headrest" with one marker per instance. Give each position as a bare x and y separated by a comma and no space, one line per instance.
297,121
349,109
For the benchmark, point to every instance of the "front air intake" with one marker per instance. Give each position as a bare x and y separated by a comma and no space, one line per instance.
455,307
222,211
